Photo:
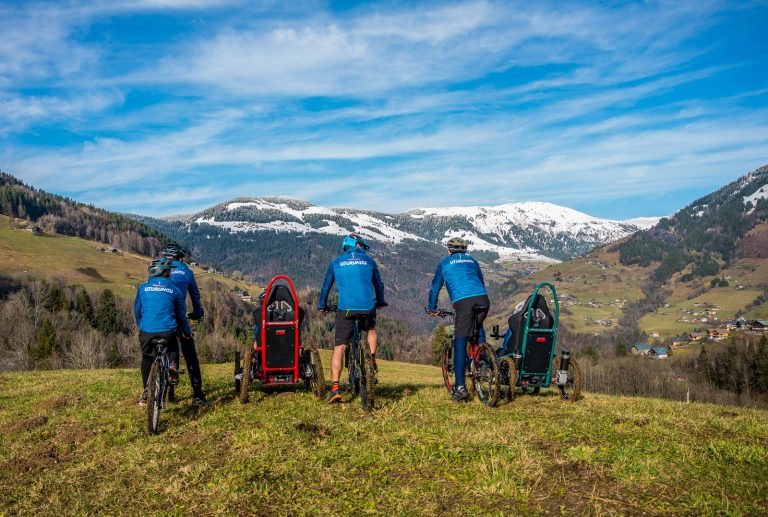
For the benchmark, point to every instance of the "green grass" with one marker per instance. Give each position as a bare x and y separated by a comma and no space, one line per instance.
73,442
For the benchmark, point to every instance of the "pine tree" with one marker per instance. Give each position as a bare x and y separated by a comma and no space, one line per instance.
621,348
45,340
84,305
106,314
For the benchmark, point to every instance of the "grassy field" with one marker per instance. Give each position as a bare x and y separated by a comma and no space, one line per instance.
73,442
79,261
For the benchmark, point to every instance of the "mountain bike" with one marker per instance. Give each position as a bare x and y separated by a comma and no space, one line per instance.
483,368
359,363
159,384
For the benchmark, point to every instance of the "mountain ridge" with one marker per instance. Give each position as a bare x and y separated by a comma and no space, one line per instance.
524,231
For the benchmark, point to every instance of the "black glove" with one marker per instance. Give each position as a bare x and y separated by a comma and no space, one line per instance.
196,315
382,304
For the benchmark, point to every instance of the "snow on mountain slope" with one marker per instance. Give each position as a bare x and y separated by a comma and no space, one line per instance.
529,231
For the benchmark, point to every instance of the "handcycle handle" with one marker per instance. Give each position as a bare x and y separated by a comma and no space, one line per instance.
439,312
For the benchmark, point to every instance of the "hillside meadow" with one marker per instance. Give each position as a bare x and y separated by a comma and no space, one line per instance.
74,442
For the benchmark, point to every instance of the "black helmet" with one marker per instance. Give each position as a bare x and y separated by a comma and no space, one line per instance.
353,240
172,251
456,245
157,266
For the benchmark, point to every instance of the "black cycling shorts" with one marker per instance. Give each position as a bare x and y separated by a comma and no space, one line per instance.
146,337
462,325
345,324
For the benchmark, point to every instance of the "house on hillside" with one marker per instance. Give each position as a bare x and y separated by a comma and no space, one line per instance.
759,325
36,230
677,343
640,349
718,334
658,352
697,337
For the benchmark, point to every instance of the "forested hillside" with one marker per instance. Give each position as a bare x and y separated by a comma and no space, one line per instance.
704,236
57,214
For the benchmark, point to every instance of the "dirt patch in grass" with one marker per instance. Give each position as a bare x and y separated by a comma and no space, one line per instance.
57,403
314,430
63,447
25,424
91,273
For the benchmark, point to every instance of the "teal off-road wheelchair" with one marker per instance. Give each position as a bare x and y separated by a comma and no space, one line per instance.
528,359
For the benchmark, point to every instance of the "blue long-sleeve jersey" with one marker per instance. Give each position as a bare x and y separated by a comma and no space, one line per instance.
357,280
159,307
184,279
462,277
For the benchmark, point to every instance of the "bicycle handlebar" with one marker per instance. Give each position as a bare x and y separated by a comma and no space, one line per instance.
439,312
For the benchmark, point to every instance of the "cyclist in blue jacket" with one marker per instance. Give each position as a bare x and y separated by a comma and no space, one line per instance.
184,279
463,279
159,311
361,292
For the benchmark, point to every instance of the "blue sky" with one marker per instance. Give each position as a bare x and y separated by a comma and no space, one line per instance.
618,109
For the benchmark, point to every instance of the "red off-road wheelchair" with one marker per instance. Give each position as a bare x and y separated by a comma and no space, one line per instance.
277,357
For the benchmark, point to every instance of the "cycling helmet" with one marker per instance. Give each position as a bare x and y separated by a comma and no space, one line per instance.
456,245
352,240
157,266
172,251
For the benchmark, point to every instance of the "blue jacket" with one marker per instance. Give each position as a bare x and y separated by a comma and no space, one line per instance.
184,279
357,281
462,277
159,307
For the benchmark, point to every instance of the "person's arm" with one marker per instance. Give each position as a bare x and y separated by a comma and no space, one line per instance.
480,272
137,308
327,283
378,286
434,290
194,294
181,317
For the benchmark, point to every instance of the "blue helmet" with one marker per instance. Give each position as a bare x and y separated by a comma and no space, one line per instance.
352,241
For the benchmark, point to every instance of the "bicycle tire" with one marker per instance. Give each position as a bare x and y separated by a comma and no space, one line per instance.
171,393
507,366
354,371
446,365
367,385
317,381
572,390
238,371
485,375
154,398
246,379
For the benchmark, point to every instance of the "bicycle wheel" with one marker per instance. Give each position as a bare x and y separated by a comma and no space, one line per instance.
366,378
154,398
317,381
353,366
446,362
572,389
238,373
508,372
246,379
171,393
485,375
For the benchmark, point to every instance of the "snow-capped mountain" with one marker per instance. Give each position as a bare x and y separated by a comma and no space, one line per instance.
529,231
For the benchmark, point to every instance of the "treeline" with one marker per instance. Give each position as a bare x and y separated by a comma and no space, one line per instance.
56,214
48,325
735,373
704,235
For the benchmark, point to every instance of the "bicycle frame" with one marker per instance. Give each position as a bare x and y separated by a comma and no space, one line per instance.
164,361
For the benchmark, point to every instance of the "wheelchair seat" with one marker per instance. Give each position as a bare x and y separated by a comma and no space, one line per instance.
280,328
541,318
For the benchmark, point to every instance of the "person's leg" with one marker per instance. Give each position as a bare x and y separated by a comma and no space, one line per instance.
373,341
336,362
193,365
459,360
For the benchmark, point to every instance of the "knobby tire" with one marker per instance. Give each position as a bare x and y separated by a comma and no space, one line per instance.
317,381
246,379
446,364
508,364
485,375
572,390
154,398
367,385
